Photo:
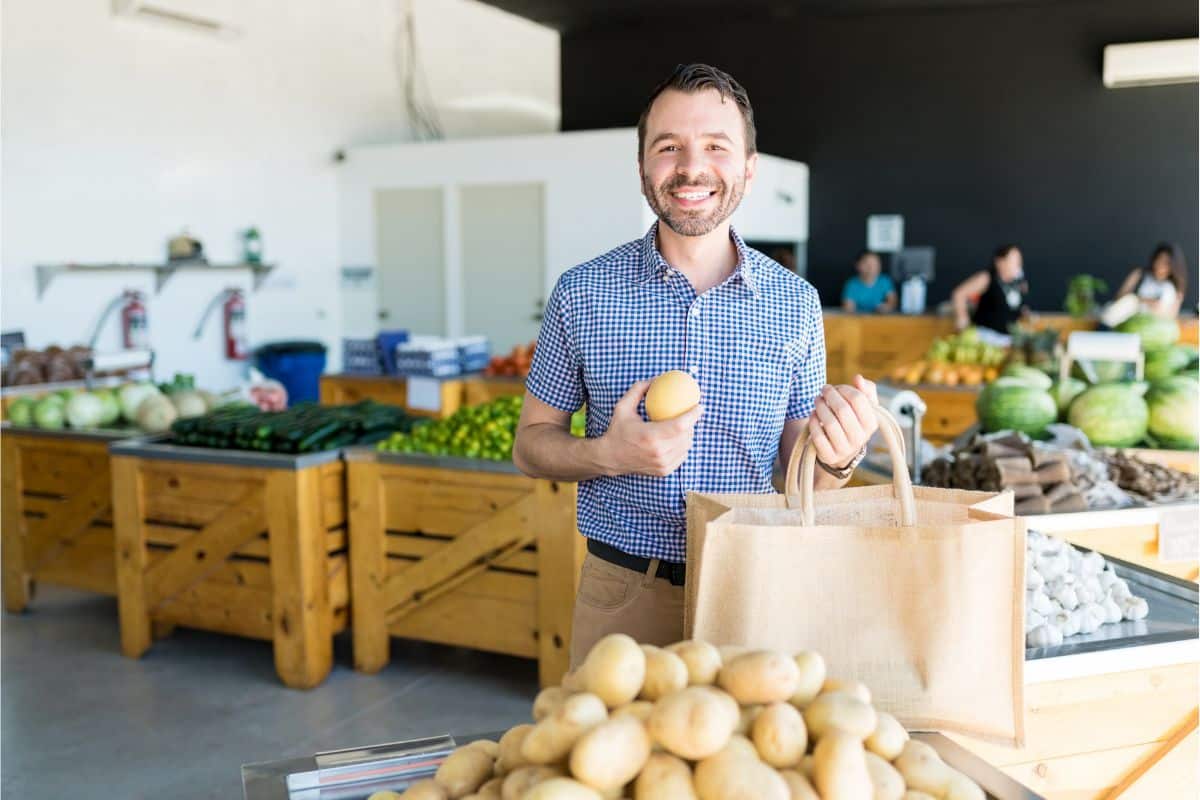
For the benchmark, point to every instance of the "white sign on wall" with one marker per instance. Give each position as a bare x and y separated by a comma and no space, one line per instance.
885,233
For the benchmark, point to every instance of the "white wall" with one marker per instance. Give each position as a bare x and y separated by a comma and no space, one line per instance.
117,134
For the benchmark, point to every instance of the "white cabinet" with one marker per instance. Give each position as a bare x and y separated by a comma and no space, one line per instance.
468,235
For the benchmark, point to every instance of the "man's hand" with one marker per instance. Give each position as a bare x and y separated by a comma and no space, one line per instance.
842,421
633,446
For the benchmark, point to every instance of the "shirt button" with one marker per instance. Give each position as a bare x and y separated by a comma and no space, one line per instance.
694,370
695,311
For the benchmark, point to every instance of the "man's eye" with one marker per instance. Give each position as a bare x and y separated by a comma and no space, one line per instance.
715,147
669,147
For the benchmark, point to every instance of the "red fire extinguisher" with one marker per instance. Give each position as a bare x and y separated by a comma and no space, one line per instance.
135,325
235,326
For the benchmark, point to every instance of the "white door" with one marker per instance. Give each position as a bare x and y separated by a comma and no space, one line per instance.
410,249
503,261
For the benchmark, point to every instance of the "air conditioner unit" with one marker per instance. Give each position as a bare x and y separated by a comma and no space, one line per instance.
199,16
1152,63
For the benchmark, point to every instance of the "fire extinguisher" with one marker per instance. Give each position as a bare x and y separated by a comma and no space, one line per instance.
234,312
135,325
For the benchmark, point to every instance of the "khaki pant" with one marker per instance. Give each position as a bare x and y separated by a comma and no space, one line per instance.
614,599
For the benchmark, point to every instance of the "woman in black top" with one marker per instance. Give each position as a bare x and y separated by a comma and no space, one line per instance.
1001,293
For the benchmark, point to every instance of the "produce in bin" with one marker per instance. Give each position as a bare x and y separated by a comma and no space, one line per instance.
143,406
303,428
1070,592
515,364
1156,333
961,359
738,724
484,431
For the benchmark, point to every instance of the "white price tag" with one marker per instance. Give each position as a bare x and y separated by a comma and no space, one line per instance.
425,394
1178,533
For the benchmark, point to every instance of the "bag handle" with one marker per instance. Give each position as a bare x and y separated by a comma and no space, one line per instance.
801,472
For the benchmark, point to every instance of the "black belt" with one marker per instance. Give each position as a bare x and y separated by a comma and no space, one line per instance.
672,571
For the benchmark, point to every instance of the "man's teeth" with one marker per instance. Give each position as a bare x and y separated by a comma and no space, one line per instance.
692,195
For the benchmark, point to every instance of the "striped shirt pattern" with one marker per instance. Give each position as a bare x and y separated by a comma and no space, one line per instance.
755,344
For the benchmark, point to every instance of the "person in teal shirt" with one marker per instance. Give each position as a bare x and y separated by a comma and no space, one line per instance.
869,291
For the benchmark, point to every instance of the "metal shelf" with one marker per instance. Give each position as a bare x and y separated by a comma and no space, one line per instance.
46,273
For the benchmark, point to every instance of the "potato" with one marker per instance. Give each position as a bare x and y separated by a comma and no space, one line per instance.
665,673
731,775
464,771
888,783
490,790
639,710
615,670
693,723
703,661
548,701
562,789
573,681
923,769
839,710
798,785
760,676
888,738
746,717
915,795
551,740
812,678
840,767
780,736
428,789
741,747
385,794
523,779
611,754
856,688
664,777
510,748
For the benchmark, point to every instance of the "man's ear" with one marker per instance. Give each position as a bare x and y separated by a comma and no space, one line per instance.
751,170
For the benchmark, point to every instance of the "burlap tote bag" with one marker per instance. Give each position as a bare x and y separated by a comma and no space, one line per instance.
916,592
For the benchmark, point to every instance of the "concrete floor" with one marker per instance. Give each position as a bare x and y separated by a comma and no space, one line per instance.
80,720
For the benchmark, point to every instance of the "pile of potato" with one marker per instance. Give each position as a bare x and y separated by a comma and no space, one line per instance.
693,721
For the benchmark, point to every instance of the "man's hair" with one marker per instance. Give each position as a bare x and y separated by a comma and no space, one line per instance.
691,78
864,254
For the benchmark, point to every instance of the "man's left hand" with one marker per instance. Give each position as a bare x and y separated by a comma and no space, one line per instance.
843,421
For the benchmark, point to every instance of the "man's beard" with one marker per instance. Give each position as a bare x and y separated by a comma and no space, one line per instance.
698,222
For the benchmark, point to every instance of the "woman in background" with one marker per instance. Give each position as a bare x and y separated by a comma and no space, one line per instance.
1001,293
1161,287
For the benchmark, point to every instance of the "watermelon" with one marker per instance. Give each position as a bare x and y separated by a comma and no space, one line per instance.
1029,375
1106,371
1161,363
1008,404
1064,393
1156,333
1174,411
1111,415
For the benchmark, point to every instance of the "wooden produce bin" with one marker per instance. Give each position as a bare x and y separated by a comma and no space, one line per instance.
339,390
57,512
248,544
461,552
875,344
485,390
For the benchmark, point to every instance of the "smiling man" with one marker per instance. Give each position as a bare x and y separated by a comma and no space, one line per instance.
689,295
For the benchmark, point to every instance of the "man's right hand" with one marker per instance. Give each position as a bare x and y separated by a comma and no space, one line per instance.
633,446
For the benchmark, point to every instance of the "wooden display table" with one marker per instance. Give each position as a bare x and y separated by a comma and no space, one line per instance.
57,512
484,390
339,390
248,544
461,552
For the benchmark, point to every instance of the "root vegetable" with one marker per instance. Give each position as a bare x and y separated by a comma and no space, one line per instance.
664,777
888,738
548,701
551,740
611,754
841,711
615,670
888,783
464,771
729,775
639,710
798,785
520,781
1135,608
694,723
561,789
510,748
856,688
703,661
1044,636
780,736
840,767
760,677
666,673
812,678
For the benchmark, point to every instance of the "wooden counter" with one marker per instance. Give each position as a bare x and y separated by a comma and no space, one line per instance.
390,389
875,344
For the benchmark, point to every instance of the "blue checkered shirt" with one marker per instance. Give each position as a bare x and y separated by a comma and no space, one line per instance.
755,344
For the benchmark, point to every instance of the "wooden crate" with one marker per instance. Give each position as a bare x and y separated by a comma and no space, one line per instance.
345,389
1125,734
875,344
57,512
485,390
464,553
246,544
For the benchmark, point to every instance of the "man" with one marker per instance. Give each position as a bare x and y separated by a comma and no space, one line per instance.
869,291
690,296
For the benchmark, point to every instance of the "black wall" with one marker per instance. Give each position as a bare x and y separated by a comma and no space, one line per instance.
980,126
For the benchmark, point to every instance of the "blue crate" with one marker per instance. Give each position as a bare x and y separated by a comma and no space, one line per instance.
387,342
361,357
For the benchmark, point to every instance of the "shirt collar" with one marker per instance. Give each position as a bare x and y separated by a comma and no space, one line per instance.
655,266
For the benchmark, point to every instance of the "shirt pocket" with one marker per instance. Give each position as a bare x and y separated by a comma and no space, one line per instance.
755,384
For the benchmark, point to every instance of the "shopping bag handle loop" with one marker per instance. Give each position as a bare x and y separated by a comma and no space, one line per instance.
801,470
